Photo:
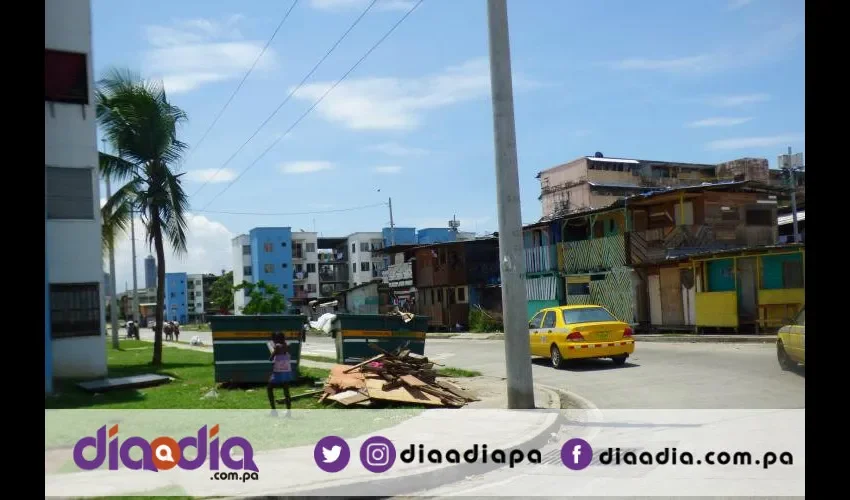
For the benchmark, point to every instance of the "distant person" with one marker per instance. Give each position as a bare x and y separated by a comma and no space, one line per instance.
281,374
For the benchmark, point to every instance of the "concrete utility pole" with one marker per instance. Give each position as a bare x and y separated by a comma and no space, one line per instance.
113,289
135,278
511,254
392,225
793,173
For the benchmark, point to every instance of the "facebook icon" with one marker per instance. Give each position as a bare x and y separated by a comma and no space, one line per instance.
576,454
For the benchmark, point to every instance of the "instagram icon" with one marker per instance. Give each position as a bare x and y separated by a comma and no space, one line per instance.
377,454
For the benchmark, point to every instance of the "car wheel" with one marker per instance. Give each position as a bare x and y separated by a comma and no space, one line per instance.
784,360
619,360
555,357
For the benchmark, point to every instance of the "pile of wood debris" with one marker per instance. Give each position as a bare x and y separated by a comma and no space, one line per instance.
399,377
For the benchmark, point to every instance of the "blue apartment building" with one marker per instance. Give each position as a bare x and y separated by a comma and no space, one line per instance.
176,297
399,235
271,257
430,236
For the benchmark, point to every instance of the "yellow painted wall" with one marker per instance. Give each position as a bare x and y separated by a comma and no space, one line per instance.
781,304
717,309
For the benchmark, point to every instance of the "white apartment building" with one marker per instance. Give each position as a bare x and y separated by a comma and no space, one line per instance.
241,269
305,265
74,300
365,265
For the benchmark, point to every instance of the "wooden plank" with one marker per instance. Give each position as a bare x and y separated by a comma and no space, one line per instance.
456,390
412,381
349,397
364,363
343,380
402,394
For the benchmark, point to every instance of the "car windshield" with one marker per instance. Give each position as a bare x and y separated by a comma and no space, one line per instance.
586,315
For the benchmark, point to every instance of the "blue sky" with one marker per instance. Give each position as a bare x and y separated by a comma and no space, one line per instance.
701,80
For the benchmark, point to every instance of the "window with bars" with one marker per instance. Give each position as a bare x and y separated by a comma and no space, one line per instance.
364,266
69,193
74,310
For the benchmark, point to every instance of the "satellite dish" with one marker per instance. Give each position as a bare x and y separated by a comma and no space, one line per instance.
597,155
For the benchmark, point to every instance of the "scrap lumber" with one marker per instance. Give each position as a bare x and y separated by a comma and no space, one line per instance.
400,377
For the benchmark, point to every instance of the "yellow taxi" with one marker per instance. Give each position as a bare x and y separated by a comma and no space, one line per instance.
579,332
791,342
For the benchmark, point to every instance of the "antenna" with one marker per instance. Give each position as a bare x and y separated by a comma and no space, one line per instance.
454,223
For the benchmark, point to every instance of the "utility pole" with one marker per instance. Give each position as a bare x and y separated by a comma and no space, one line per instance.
113,289
793,175
392,225
135,278
511,255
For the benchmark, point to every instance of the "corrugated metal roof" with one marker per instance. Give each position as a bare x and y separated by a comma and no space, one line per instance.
620,186
789,219
612,160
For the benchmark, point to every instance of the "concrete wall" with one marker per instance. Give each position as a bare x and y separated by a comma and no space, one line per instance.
176,298
273,264
73,247
240,262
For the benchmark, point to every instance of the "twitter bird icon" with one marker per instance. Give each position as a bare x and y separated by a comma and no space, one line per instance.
332,454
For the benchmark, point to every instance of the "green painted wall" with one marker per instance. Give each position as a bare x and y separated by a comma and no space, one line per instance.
772,269
721,277
536,305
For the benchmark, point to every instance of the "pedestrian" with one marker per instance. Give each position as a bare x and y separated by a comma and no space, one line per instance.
281,374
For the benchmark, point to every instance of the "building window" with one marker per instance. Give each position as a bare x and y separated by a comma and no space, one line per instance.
285,286
74,310
364,247
69,193
267,247
461,294
353,267
354,248
440,295
268,268
311,268
283,244
65,77
578,288
364,266
173,294
284,265
246,249
311,287
311,247
298,268
247,270
762,217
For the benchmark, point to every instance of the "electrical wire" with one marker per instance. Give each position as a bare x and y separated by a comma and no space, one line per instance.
337,210
291,93
239,87
315,104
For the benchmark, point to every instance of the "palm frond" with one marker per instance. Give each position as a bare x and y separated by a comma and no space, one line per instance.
117,214
116,168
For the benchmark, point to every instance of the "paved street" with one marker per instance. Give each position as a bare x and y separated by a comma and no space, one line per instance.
659,375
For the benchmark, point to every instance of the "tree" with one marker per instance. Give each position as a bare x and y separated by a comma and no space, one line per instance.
141,125
114,221
264,298
221,293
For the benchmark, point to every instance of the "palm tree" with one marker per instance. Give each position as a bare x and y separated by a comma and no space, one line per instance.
114,222
141,125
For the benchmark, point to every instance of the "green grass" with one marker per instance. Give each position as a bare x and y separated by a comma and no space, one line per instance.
320,359
194,328
193,374
448,371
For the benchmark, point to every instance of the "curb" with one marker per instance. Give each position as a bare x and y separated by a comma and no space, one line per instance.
708,339
403,485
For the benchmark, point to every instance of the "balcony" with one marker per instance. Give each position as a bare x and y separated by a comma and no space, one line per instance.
340,275
298,255
301,294
299,275
541,259
575,257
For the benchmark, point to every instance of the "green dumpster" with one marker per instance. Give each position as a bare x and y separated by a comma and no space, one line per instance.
240,345
354,333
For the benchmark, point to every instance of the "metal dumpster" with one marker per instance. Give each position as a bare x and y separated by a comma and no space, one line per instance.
240,345
354,333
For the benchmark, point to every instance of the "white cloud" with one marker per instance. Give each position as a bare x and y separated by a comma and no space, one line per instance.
738,4
395,149
344,5
376,103
754,142
719,122
305,167
211,175
195,52
387,169
766,47
208,251
731,101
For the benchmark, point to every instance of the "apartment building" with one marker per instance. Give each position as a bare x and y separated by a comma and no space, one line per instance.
305,266
198,304
74,313
596,181
333,255
242,270
176,298
366,264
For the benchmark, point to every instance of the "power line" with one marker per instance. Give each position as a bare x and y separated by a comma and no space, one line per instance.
239,87
315,104
288,97
350,209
